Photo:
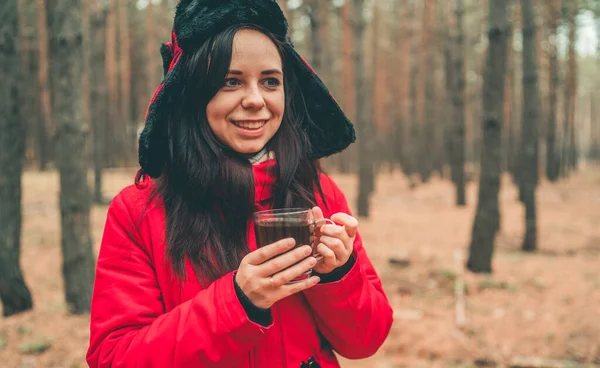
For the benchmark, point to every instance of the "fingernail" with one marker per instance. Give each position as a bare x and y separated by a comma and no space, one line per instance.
307,250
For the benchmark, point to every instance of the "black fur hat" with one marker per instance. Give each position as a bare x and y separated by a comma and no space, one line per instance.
198,20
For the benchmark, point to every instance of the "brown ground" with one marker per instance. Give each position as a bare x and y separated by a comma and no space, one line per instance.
545,304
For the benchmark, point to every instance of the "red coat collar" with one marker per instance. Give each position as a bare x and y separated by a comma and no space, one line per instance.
264,180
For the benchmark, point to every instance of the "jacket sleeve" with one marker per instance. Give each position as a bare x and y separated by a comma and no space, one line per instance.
353,314
129,326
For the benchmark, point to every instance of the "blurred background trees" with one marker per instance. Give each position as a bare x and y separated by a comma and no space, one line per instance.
414,76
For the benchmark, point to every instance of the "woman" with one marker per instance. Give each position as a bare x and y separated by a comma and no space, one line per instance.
236,127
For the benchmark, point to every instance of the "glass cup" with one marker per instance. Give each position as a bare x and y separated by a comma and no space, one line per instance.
271,226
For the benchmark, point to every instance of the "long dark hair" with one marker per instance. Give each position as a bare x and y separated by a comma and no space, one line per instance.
207,189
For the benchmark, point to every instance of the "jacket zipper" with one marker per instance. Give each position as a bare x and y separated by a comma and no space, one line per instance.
251,358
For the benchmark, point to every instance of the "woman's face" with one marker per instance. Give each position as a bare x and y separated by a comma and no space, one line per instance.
247,111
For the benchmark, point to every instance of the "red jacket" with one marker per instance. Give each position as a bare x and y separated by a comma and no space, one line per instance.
142,316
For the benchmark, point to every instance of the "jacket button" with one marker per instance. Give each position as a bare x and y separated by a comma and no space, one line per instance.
312,363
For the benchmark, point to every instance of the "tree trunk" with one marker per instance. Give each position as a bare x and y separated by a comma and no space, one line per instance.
552,157
507,143
112,146
364,138
66,67
428,56
530,126
595,118
14,293
316,43
28,90
514,119
573,148
99,94
377,85
419,72
487,217
86,108
457,93
347,156
46,130
541,55
403,80
411,142
569,154
325,37
165,18
130,128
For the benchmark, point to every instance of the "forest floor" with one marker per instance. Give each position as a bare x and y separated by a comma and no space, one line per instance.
544,305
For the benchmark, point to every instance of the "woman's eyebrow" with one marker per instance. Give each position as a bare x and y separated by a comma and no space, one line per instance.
272,71
264,72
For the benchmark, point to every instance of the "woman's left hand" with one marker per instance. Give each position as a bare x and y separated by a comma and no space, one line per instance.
335,243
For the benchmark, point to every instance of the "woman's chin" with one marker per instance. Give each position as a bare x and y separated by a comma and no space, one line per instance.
248,150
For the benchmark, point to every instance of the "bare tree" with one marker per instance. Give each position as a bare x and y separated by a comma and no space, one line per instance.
99,95
427,110
14,293
86,96
377,84
456,82
509,86
487,218
151,48
46,129
129,125
365,136
530,126
111,142
66,70
411,142
402,61
569,155
552,154
28,73
512,121
317,13
349,95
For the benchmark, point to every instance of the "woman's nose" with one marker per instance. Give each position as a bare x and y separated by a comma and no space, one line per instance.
253,99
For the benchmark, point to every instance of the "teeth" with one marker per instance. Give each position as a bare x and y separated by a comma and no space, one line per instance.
250,124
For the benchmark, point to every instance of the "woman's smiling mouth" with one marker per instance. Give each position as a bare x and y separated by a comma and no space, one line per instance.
250,124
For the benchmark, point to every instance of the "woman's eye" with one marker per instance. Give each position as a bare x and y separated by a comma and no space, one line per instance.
272,82
231,82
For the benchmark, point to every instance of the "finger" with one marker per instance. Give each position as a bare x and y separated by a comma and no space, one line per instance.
334,231
349,222
335,244
318,218
267,252
297,287
327,254
278,263
283,277
317,213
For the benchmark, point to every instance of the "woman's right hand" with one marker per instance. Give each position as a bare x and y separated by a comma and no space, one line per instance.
264,273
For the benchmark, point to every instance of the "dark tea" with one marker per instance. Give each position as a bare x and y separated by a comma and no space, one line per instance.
270,231
273,225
